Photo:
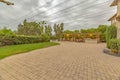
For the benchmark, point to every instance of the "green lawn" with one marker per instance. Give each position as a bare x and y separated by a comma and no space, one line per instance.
16,49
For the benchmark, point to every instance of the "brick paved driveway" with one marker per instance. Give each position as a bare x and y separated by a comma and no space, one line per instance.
68,61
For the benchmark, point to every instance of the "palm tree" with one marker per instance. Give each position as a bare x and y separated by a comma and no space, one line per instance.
6,2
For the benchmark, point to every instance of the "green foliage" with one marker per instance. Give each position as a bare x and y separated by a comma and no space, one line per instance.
83,31
111,33
102,31
6,32
102,28
53,37
32,28
30,32
90,30
48,30
45,38
40,29
68,32
76,31
115,45
15,40
58,29
17,49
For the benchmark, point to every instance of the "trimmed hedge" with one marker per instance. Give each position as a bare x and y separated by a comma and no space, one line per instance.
115,45
15,40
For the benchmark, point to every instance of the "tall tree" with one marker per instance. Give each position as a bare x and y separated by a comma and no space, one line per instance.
55,29
34,28
48,30
42,25
20,29
58,29
6,32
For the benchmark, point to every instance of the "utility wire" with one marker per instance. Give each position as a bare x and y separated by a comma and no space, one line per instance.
83,15
38,8
62,9
43,12
67,13
48,9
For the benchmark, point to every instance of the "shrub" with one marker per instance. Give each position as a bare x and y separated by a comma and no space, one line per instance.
53,37
6,32
115,45
45,38
111,33
14,40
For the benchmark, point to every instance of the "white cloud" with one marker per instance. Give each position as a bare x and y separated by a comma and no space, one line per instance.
75,13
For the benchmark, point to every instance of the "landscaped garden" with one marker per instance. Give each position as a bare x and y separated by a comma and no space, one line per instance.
112,42
74,52
29,36
36,35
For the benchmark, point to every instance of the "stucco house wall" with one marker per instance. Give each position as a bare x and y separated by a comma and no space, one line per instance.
118,22
114,20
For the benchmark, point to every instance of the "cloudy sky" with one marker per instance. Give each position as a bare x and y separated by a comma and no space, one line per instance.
76,14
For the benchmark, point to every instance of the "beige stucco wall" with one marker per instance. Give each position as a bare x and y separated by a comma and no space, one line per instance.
118,29
118,33
113,22
118,8
118,22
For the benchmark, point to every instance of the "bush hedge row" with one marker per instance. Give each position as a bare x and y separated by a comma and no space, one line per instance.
14,40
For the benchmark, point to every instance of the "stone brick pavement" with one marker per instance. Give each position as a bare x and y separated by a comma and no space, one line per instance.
68,61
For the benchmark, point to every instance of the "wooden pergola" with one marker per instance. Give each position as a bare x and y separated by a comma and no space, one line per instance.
6,2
